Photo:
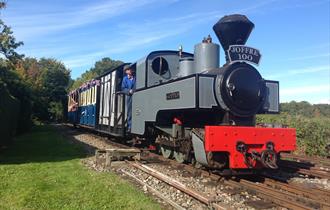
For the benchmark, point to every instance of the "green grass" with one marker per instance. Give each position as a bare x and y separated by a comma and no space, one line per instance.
42,170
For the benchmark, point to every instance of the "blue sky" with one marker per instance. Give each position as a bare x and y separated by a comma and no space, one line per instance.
292,35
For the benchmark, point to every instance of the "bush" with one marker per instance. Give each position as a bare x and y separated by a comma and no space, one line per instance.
9,110
20,90
313,134
56,111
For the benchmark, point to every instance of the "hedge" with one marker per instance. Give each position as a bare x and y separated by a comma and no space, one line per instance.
9,115
313,134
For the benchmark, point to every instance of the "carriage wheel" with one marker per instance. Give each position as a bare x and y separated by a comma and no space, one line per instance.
180,157
166,152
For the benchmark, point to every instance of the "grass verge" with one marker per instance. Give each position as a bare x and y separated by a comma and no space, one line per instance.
42,170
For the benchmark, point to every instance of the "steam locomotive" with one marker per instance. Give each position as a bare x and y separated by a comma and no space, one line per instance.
189,108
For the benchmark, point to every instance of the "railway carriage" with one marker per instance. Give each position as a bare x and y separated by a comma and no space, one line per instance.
189,107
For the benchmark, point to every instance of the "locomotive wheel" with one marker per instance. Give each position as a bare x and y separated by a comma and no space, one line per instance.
180,157
196,164
166,152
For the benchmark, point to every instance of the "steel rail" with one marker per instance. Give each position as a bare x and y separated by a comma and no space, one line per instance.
178,185
293,189
315,160
154,191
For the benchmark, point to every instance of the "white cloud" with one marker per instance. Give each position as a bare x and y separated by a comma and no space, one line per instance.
302,90
255,7
35,25
309,57
323,101
133,36
315,47
306,70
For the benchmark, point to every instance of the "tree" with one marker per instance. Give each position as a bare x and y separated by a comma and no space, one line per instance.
56,110
8,44
99,68
48,79
19,90
12,83
104,65
37,88
9,107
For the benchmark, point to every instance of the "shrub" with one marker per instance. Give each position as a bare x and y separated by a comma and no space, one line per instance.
9,110
313,134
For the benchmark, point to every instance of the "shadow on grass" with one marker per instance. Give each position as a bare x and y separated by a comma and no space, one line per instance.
43,143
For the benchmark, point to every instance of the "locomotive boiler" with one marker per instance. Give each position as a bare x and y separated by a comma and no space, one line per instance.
190,108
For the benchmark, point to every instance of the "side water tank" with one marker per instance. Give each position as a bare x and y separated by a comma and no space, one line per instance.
186,66
206,56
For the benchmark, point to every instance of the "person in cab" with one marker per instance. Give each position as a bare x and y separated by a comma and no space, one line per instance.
128,87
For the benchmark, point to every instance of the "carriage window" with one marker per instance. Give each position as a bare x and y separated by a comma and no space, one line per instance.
159,65
85,98
89,96
94,94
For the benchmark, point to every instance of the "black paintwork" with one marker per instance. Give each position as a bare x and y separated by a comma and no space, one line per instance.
233,29
242,89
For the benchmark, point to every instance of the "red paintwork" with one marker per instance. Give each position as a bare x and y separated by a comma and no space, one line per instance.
152,147
224,139
177,121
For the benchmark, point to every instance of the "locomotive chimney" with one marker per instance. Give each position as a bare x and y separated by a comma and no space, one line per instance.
233,30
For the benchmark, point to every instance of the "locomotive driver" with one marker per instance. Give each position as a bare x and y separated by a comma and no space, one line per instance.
128,87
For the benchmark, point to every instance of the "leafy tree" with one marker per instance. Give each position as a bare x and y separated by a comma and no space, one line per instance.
99,68
34,87
104,65
9,107
49,79
21,91
55,79
12,82
56,110
8,44
2,4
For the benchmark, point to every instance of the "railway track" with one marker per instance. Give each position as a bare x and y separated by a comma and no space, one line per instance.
197,195
310,193
265,186
283,194
313,167
325,162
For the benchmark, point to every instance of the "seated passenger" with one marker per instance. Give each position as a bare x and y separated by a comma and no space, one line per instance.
128,87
